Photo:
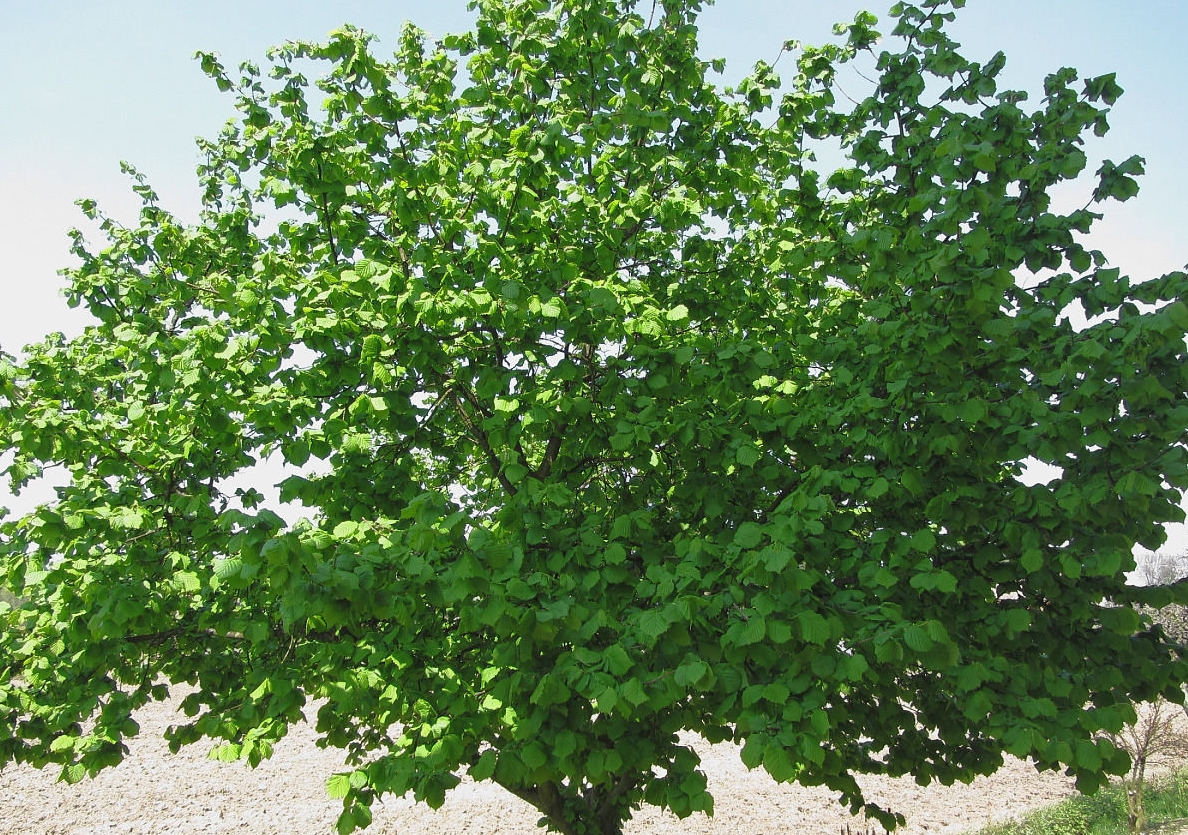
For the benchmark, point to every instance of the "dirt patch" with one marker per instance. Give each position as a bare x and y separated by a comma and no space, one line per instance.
188,793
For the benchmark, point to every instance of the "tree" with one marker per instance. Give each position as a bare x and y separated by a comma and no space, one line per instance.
617,415
1155,569
1155,737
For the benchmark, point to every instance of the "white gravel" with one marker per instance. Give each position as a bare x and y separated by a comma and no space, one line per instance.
189,794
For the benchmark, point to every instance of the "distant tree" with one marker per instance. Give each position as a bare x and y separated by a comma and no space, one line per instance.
1156,737
1161,569
616,417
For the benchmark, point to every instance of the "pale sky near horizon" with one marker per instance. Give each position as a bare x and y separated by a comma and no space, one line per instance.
84,85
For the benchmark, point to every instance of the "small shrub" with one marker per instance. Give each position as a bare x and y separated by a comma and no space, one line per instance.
1104,813
1063,819
1069,817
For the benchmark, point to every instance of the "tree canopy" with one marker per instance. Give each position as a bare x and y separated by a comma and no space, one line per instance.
615,409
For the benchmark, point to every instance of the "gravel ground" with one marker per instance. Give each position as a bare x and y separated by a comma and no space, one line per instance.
189,794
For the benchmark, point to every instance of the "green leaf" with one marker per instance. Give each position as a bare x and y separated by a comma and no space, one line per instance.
779,764
973,411
691,673
678,314
228,569
338,785
1017,620
888,651
618,663
748,535
228,752
924,541
484,766
1087,755
550,691
917,638
753,630
187,581
128,518
602,297
945,582
754,751
356,443
1031,561
296,451
854,667
345,529
1178,313
63,743
632,691
516,473
653,624
747,456
813,628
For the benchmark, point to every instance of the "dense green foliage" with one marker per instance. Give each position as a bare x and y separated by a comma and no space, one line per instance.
617,415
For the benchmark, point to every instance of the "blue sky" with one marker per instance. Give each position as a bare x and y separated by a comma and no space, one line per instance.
85,84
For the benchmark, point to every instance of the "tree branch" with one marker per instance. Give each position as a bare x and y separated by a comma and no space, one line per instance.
480,438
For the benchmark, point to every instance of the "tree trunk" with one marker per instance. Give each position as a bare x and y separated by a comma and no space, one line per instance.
594,811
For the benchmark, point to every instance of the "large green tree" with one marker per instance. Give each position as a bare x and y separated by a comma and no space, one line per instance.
615,414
